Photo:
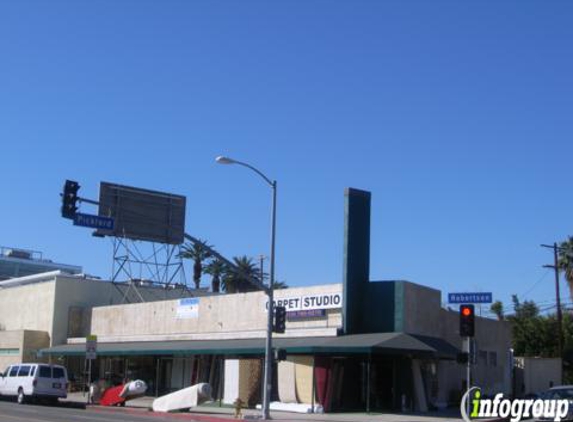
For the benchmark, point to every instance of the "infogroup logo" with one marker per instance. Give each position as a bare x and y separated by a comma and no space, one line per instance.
474,407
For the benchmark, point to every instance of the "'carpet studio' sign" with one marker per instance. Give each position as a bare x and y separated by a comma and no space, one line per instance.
309,302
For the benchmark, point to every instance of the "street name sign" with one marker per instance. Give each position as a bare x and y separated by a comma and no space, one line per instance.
93,221
468,298
91,347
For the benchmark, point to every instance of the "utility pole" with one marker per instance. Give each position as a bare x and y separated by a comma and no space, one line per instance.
555,266
269,290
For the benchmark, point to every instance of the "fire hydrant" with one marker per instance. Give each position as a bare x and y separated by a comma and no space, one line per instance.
238,408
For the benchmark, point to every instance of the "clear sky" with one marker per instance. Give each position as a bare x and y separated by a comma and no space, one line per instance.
457,116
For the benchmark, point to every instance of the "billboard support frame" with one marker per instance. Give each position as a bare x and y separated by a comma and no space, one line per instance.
161,266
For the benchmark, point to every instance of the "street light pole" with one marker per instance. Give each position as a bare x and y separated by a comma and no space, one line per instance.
269,290
268,345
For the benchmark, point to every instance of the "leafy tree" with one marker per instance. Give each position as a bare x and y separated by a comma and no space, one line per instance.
525,310
533,334
198,252
216,269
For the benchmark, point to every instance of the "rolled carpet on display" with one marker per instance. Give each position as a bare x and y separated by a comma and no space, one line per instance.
183,399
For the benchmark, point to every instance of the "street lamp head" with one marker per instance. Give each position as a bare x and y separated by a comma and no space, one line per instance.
224,160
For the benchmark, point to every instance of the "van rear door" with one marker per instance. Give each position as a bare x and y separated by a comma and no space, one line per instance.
51,381
43,380
60,381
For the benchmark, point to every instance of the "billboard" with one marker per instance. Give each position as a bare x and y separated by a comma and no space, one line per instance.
142,214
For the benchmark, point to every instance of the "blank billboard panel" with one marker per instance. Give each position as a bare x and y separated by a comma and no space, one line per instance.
142,214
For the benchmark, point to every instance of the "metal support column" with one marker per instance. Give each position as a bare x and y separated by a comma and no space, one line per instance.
313,384
158,360
368,383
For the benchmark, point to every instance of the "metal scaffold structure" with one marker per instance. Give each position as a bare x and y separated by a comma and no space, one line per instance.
147,262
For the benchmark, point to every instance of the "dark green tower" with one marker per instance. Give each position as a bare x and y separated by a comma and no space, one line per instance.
356,270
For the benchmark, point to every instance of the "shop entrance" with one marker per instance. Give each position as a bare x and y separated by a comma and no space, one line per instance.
382,385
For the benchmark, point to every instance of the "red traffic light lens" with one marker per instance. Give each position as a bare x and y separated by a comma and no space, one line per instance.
466,312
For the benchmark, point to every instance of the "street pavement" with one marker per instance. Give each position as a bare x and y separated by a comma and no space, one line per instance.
12,412
76,411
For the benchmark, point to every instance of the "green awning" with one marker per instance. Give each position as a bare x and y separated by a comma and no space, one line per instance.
375,343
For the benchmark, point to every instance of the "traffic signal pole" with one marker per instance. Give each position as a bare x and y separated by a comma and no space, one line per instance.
467,331
469,371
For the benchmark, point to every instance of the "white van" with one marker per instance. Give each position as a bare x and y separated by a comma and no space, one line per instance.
34,380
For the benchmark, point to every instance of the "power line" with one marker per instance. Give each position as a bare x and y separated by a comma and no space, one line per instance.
536,283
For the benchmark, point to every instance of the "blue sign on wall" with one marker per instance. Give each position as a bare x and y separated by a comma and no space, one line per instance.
470,298
309,313
93,221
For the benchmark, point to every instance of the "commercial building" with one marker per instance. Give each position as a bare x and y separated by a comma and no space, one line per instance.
359,344
17,262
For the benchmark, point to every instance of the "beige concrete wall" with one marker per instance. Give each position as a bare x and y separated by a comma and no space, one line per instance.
45,305
86,293
12,339
34,341
83,293
28,307
239,315
27,343
534,375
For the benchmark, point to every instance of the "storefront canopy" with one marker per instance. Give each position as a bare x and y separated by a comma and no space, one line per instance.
376,343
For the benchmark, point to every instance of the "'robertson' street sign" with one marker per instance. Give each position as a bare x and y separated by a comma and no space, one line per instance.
468,298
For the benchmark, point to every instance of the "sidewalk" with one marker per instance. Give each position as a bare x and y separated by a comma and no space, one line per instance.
212,412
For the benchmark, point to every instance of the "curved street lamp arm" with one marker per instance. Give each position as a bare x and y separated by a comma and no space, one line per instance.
260,173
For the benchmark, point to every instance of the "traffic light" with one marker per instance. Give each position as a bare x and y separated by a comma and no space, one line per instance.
280,354
463,358
69,199
280,319
467,320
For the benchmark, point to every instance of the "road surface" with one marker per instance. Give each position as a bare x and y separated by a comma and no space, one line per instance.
10,411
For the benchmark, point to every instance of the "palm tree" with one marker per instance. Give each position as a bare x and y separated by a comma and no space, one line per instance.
216,268
278,285
565,262
236,280
198,252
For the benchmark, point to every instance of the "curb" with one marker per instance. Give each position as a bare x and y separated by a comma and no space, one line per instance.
149,413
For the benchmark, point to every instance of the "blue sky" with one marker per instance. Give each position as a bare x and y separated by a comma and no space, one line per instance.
456,115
